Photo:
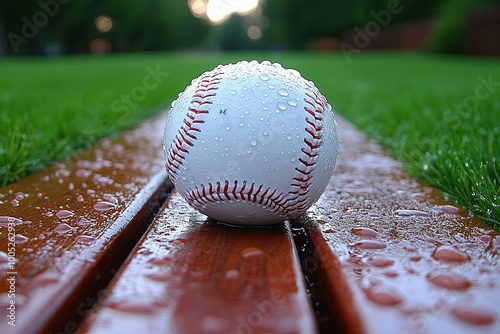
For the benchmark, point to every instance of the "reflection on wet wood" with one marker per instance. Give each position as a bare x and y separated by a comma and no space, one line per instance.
192,275
391,256
74,224
380,252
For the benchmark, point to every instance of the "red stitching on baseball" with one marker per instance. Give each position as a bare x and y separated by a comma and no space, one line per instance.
315,104
186,136
287,205
203,195
295,201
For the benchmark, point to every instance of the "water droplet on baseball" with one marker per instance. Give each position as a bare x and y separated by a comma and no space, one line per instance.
293,159
228,128
293,72
242,124
264,77
292,102
253,142
289,137
283,92
281,106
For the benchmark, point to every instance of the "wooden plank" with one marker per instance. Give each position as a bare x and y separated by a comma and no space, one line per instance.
74,224
392,256
192,275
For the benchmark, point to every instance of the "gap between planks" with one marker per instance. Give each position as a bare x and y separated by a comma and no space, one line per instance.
370,202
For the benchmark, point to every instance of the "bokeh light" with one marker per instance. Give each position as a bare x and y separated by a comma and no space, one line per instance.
104,23
198,7
254,32
100,45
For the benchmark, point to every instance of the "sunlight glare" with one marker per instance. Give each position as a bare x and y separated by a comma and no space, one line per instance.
217,11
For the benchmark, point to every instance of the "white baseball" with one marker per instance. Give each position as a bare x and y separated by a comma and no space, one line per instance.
250,143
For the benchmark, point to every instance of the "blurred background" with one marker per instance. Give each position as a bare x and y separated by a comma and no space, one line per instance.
432,98
54,27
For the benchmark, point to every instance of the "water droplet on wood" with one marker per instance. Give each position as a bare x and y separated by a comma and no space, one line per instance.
379,261
473,315
364,232
384,295
368,244
251,251
448,280
63,214
63,228
449,254
104,206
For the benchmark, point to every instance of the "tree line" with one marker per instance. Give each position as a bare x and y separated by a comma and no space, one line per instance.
34,27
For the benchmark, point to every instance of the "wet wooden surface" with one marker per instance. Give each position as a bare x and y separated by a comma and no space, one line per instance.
192,275
391,256
74,224
380,253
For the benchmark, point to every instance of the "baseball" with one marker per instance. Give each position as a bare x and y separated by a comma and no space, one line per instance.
250,143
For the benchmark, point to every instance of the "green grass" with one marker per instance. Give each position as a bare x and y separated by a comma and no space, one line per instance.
424,111
421,108
49,108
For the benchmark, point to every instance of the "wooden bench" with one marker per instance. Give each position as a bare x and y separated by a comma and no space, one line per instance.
103,244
